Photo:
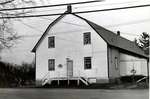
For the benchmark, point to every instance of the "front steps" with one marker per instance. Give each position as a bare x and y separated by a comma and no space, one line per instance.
68,81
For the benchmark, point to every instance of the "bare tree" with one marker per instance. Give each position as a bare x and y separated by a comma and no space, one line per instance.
8,35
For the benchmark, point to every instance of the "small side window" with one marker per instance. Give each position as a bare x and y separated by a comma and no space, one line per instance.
51,42
87,38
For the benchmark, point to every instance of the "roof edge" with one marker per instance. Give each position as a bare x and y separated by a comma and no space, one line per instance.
143,55
50,25
65,13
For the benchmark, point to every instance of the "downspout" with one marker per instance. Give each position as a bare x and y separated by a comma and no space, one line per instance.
108,59
147,80
147,67
35,69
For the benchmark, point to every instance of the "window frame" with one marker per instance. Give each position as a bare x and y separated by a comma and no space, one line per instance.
53,40
51,68
86,59
87,38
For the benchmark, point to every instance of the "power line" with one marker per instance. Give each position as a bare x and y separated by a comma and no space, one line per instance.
119,8
66,22
30,16
35,35
108,26
65,32
86,6
76,25
130,34
127,23
76,31
34,28
81,12
55,5
105,4
31,26
123,33
48,10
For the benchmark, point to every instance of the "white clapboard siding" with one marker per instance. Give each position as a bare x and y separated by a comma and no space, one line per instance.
128,63
68,34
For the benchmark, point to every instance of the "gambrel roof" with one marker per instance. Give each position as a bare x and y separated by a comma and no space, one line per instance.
111,38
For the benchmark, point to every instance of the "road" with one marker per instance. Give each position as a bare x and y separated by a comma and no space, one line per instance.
72,94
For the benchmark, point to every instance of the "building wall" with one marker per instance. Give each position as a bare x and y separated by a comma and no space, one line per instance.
125,63
114,68
68,34
129,62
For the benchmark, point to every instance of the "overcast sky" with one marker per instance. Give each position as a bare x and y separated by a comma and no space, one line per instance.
131,23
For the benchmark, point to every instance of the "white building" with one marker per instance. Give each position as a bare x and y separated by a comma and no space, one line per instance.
74,48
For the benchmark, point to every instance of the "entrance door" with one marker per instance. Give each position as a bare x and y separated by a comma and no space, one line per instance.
69,67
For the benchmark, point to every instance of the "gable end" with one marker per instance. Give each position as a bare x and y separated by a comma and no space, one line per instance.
48,28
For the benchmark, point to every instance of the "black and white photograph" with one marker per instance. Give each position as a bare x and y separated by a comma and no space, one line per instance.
74,49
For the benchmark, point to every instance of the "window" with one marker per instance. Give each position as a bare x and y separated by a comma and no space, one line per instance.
51,42
87,38
116,62
51,64
87,63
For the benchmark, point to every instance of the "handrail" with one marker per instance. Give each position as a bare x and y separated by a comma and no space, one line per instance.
45,76
141,79
81,78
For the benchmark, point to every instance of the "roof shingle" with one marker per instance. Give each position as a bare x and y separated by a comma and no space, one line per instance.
117,41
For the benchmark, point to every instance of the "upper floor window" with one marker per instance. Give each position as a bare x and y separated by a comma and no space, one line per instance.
87,63
51,64
51,42
87,38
